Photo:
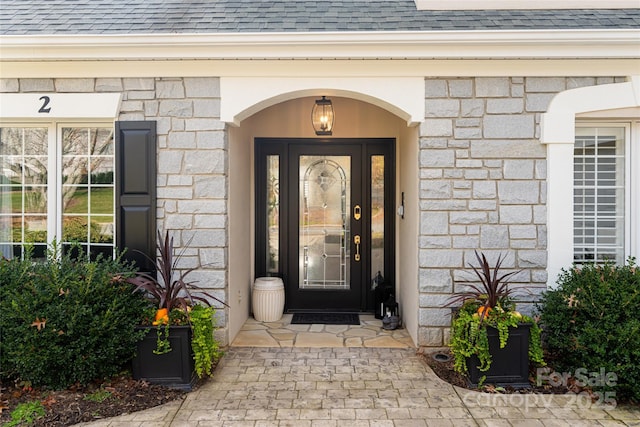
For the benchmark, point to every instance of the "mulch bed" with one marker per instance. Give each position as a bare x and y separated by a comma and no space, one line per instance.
122,395
444,370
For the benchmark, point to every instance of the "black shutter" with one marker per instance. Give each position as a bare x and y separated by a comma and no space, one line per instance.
136,191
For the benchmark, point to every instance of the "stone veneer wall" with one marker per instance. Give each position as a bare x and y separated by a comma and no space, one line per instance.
192,162
482,177
483,187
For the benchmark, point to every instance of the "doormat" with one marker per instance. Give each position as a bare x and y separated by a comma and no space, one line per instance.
325,319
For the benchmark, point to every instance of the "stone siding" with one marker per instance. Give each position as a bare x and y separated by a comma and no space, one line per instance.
482,178
482,187
192,179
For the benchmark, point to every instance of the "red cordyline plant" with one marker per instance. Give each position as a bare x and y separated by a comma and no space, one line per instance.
494,287
169,291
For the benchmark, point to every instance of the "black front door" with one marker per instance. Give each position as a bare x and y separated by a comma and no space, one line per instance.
324,221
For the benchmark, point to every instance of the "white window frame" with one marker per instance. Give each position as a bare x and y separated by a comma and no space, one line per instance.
54,168
54,111
631,140
557,132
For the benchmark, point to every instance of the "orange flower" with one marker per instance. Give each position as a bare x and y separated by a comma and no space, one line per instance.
484,311
162,317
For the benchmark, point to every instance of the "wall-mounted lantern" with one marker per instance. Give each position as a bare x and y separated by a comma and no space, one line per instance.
322,116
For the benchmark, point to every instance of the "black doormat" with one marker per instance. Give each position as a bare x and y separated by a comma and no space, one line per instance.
325,319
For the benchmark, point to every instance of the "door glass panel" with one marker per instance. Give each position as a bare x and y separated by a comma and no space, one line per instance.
324,228
377,215
273,213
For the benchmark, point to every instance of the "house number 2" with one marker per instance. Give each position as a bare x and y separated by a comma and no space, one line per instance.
45,105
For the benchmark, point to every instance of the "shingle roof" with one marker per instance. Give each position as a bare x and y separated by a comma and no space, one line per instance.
235,16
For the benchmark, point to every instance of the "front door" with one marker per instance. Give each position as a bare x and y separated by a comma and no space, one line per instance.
324,221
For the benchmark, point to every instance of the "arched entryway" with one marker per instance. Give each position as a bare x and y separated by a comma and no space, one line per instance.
356,120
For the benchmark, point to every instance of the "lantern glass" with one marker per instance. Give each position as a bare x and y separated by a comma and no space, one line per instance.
322,116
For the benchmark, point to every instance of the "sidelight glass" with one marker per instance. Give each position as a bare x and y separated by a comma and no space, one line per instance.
324,224
273,214
377,215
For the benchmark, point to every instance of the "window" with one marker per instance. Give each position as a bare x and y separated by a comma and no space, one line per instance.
57,183
602,193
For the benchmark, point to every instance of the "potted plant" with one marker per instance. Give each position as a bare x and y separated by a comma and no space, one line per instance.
183,346
490,341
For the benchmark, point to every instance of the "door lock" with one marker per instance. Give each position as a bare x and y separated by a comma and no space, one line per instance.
357,214
356,240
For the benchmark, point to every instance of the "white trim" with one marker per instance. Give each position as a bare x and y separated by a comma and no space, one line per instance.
559,209
524,4
557,125
558,133
314,67
241,97
634,188
472,44
56,106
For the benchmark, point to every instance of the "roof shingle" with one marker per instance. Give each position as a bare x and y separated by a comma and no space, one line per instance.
22,17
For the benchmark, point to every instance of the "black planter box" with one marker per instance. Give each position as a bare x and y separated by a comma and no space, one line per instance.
174,369
510,365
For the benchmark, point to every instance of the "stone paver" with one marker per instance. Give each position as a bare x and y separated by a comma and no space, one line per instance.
283,334
369,387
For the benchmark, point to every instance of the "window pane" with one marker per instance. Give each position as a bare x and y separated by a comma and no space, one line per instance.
75,141
34,169
23,193
101,201
75,170
102,142
599,189
273,213
35,199
75,229
85,178
88,164
75,199
35,229
102,229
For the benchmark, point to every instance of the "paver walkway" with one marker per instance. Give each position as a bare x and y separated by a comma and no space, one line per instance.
356,387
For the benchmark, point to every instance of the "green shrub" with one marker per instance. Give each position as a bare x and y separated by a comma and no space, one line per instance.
591,322
65,321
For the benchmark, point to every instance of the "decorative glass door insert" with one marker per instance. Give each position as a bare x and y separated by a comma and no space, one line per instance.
324,231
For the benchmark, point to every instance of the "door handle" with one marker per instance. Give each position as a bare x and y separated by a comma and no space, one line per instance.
356,240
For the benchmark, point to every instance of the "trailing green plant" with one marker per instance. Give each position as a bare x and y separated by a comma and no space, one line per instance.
469,335
487,305
591,322
163,345
66,320
205,347
26,413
